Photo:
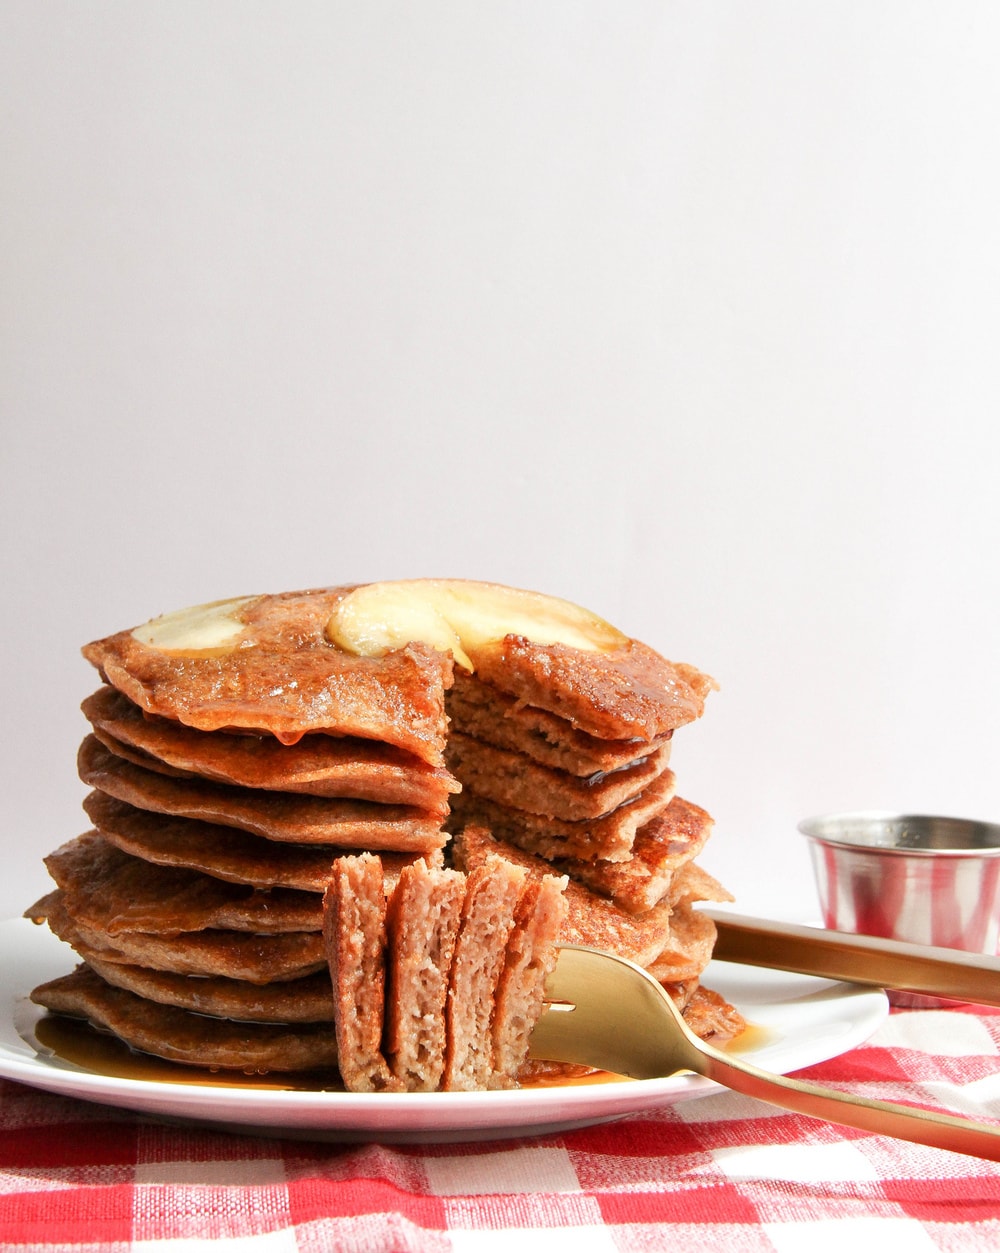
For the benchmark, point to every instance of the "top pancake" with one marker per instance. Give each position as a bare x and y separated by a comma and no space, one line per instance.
283,675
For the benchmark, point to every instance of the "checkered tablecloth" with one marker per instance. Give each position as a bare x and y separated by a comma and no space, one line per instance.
719,1172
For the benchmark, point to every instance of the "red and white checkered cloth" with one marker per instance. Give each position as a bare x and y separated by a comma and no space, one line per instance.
720,1172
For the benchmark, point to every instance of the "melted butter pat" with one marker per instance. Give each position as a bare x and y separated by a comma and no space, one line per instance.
202,630
459,616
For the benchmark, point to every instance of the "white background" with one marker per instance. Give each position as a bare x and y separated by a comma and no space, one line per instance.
687,312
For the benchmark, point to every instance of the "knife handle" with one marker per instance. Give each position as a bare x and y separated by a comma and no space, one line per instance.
916,968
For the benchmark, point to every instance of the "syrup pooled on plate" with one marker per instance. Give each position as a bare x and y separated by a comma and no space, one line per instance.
75,1040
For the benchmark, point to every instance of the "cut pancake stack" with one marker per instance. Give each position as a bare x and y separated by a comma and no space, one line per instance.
563,783
283,875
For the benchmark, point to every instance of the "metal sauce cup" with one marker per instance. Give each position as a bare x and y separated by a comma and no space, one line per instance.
910,877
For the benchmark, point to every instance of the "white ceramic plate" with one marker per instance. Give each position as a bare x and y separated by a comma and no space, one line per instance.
797,1021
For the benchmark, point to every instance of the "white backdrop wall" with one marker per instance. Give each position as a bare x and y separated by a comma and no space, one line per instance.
688,313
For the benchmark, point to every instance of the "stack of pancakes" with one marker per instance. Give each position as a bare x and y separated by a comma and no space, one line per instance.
297,863
581,786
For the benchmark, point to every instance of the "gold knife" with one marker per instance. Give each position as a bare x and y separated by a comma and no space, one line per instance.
921,969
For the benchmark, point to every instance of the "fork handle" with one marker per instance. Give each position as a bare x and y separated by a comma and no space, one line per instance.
942,1131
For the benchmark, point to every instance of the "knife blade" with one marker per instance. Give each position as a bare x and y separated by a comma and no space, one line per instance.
876,962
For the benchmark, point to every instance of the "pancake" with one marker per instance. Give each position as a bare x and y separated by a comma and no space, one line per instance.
608,838
283,676
693,883
489,715
590,919
529,959
279,671
319,765
672,940
231,954
711,1017
275,785
272,815
223,852
661,847
493,890
629,693
438,987
309,999
128,752
421,928
688,948
354,933
509,778
184,1037
112,891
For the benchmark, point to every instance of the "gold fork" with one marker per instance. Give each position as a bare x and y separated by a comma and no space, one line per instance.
606,1012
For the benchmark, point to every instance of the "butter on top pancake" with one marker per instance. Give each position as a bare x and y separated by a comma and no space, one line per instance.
264,663
546,652
320,765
